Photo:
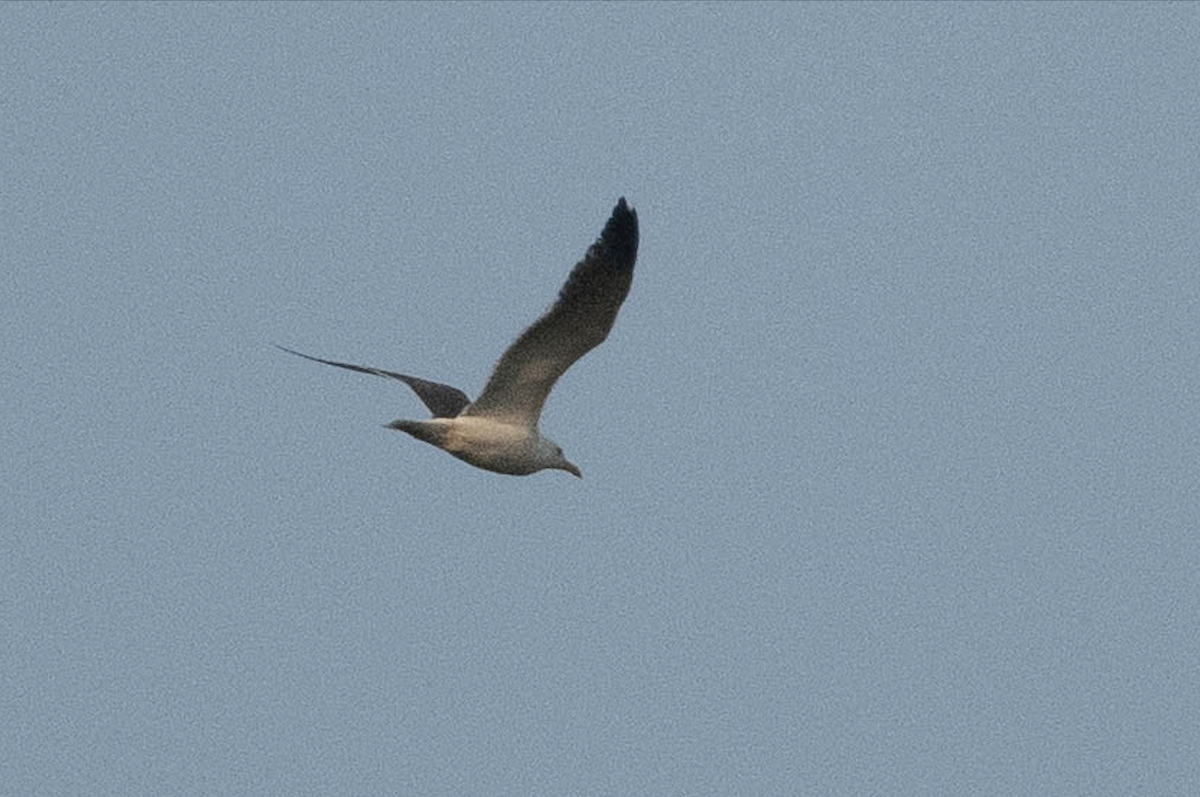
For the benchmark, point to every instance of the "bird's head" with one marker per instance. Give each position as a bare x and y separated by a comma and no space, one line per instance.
551,455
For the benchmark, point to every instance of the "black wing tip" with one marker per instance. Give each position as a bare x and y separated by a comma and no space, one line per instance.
620,236
293,351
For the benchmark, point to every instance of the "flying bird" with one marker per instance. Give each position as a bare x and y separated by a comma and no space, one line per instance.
499,430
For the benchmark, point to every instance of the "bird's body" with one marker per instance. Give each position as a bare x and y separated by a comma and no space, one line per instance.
499,430
489,444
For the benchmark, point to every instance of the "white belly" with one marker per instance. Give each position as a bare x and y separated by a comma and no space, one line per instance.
499,447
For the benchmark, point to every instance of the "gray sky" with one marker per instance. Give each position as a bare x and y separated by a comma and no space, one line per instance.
890,461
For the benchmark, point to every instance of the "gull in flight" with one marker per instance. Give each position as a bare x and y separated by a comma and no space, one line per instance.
499,430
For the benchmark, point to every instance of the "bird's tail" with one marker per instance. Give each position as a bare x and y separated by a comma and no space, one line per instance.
430,432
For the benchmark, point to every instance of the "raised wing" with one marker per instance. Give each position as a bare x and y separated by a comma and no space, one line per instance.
578,321
442,400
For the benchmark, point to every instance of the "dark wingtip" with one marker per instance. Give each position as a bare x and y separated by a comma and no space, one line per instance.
620,236
293,351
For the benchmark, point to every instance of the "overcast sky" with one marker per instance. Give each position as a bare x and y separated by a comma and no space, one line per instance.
890,462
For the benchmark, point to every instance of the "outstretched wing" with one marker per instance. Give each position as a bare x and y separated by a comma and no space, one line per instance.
578,321
442,400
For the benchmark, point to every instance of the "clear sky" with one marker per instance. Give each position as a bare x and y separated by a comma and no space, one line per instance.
890,462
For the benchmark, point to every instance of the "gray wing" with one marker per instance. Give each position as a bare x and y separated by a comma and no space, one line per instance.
442,400
578,321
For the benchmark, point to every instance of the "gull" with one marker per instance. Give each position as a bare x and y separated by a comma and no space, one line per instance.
499,430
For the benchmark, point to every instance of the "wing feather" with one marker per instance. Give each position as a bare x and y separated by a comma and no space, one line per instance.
578,321
442,400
